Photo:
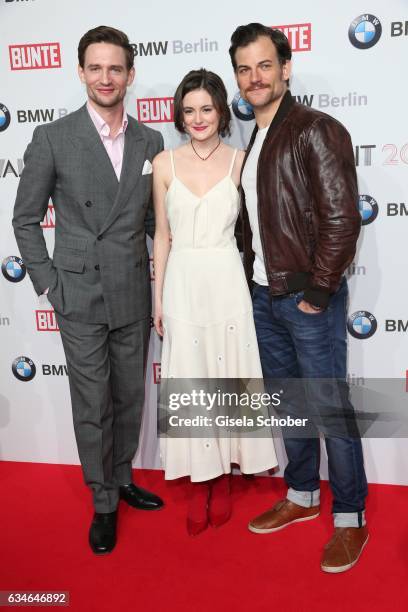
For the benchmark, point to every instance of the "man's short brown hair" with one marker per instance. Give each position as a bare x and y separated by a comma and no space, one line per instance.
247,34
106,34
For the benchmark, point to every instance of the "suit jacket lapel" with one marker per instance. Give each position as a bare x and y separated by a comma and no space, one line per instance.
132,166
98,160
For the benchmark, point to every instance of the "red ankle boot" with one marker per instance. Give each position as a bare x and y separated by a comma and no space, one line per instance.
197,513
220,500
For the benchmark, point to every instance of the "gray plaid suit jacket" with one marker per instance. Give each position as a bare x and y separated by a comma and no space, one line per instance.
99,272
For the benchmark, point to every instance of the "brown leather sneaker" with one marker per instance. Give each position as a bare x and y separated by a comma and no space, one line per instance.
344,549
283,513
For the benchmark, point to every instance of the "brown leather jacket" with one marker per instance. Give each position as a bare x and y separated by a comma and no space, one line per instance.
307,203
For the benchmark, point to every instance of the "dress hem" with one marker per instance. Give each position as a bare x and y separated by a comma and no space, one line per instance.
220,473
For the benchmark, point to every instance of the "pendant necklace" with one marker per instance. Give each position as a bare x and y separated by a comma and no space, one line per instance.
210,153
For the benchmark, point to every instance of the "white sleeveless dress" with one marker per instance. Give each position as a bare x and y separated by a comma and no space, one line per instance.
208,323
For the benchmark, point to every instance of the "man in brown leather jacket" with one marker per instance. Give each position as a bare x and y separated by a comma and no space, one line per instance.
300,224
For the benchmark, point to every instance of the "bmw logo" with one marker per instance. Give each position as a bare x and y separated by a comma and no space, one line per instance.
368,208
362,324
23,368
4,117
13,269
242,109
365,31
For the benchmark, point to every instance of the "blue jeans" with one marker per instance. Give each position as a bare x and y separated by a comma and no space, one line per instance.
294,344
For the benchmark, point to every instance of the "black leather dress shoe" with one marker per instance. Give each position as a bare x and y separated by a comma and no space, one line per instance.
102,534
140,498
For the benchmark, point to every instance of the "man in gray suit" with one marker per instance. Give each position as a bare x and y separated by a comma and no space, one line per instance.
95,164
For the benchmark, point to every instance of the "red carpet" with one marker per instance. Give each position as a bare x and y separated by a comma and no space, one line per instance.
45,515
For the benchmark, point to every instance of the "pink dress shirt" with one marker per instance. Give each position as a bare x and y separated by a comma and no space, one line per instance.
114,146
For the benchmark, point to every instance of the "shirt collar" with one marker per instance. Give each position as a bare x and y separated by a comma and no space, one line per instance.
102,127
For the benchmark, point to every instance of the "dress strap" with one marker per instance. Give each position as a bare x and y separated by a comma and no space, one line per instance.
232,162
172,163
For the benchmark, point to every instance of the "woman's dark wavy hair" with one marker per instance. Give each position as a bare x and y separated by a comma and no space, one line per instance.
211,83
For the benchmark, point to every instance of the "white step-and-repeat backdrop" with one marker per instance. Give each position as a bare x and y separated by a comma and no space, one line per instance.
349,60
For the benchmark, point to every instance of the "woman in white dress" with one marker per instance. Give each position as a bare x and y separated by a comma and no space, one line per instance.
203,308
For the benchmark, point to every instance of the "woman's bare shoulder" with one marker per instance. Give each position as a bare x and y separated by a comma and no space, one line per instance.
240,152
161,159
